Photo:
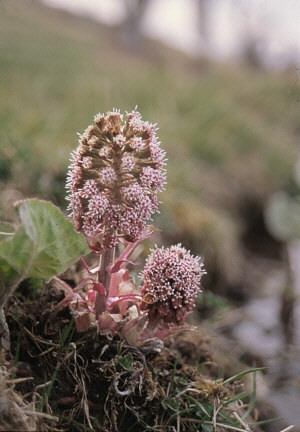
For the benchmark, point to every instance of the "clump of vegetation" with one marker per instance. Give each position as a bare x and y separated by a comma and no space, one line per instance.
98,350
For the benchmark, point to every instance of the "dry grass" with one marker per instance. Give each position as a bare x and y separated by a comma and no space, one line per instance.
17,414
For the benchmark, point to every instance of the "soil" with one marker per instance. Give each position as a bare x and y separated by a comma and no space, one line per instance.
89,381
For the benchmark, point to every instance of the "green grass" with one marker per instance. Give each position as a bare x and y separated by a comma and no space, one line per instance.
225,128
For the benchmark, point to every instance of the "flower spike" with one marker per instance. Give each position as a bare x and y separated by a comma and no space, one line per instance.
114,177
171,279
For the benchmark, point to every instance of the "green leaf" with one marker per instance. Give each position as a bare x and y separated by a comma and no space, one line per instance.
125,362
207,428
44,245
172,404
242,374
282,216
7,277
6,230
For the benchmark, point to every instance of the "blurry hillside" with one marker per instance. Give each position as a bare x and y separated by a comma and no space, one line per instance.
231,133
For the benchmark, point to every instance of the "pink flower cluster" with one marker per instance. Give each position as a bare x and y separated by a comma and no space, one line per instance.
113,180
171,279
114,177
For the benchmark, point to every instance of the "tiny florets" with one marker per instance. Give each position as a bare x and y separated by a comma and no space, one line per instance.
114,176
171,281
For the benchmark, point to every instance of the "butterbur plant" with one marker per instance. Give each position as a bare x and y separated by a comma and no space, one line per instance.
171,283
113,181
114,177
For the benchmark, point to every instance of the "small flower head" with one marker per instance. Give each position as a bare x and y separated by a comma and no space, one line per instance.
171,282
114,176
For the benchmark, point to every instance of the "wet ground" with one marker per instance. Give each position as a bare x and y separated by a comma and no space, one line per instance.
268,327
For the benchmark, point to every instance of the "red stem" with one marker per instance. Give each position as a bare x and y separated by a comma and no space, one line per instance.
103,277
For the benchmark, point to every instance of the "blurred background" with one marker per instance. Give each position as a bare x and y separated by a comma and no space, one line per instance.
222,80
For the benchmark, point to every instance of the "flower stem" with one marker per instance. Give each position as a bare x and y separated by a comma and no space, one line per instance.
106,260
